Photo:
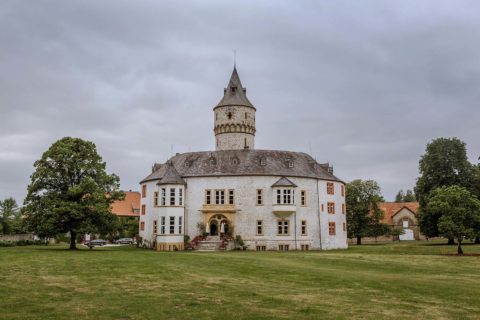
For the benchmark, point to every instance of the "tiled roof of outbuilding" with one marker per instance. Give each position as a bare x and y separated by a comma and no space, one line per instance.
245,162
130,206
390,209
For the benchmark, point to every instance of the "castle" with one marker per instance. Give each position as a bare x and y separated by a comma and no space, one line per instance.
274,200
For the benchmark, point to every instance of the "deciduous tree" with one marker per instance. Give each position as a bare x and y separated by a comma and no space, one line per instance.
363,213
458,211
70,191
444,163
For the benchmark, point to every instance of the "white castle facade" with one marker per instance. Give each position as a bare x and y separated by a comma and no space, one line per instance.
274,200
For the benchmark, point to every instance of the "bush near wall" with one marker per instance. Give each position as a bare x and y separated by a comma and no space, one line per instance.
21,243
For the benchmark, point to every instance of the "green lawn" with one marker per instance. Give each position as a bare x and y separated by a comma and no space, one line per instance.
391,281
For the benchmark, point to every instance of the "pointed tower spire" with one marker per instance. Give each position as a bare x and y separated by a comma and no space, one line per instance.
234,117
235,94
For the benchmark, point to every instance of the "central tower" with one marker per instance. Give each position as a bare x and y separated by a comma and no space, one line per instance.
234,118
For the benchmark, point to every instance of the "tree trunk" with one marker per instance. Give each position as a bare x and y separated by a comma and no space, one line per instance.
477,240
73,239
459,248
451,242
359,241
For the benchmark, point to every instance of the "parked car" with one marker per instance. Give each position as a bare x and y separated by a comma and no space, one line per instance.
97,242
125,241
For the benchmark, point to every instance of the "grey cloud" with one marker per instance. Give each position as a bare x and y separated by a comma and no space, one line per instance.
364,85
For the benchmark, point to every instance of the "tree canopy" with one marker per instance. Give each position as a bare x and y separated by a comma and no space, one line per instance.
445,163
9,216
458,211
70,191
407,196
363,214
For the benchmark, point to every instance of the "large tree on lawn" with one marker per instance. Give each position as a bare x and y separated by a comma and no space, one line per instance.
458,211
70,191
444,163
363,213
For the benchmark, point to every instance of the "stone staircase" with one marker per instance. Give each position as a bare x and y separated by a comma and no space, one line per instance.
213,243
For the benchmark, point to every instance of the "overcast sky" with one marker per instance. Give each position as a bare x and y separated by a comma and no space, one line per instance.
364,85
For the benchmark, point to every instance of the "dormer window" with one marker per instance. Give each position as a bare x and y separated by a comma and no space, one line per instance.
234,161
263,162
187,164
212,162
290,163
233,89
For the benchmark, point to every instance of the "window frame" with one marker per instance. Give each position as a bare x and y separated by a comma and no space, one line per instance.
163,199
259,227
172,197
144,209
231,196
331,205
332,226
171,225
303,227
283,227
144,191
303,198
259,197
330,188
155,199
162,224
155,227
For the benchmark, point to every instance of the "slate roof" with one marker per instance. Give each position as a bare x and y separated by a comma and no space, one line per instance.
171,175
236,97
246,162
284,182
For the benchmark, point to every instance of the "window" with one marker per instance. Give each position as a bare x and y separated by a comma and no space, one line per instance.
208,196
261,248
285,196
343,208
322,207
187,164
331,228
405,223
164,195
259,197
180,197
303,196
142,226
144,191
172,225
155,198
144,209
283,227
331,207
172,196
162,225
219,196
231,197
246,116
180,224
330,188
304,228
304,247
229,115
344,226
263,162
154,226
342,190
290,163
259,227
283,247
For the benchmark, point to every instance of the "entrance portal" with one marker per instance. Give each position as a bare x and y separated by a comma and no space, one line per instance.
213,228
219,225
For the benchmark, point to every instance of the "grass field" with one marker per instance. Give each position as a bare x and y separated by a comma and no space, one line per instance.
391,281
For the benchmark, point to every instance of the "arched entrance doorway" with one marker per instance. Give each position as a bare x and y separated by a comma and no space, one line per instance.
219,225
